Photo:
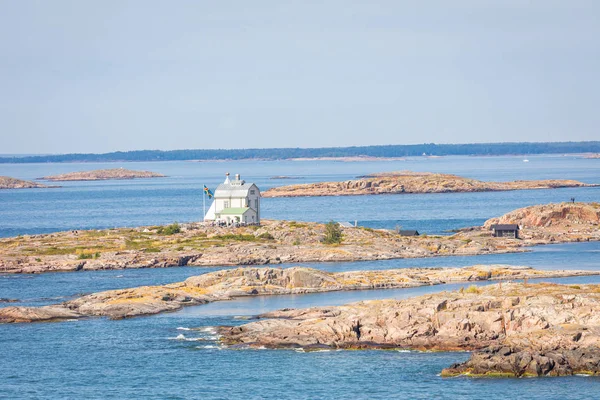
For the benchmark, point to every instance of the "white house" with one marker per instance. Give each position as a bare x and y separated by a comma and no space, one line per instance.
235,201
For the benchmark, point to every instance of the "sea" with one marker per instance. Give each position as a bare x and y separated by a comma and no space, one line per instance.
177,355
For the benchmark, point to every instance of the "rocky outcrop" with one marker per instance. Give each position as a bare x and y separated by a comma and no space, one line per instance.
12,183
40,314
552,222
551,215
277,242
226,284
412,182
514,329
103,174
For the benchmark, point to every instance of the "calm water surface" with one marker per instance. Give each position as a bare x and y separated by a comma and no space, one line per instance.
142,357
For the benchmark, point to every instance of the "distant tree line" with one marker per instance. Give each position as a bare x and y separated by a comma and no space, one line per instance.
480,149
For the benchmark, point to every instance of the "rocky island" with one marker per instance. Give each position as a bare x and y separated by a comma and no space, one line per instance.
228,284
103,174
277,242
412,182
513,329
12,183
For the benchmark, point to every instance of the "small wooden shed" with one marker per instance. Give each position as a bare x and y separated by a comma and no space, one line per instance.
505,230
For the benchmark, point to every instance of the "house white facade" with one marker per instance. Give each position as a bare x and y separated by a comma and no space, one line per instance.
236,201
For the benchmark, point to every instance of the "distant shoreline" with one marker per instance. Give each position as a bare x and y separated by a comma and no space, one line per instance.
304,159
355,153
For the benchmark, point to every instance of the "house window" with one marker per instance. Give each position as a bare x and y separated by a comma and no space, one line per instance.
253,191
226,204
256,204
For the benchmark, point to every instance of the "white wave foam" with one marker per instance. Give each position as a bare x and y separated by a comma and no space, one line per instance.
181,328
182,337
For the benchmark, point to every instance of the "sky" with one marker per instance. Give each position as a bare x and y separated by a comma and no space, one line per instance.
100,76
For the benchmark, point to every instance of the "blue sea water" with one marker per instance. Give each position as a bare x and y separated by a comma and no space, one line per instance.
142,357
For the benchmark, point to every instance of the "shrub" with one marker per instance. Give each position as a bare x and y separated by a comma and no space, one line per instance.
473,289
85,256
266,235
333,233
169,230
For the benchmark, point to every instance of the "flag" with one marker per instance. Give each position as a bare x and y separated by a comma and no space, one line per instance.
208,192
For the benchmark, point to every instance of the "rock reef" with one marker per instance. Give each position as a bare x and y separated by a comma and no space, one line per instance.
103,174
412,182
12,183
277,242
227,284
513,329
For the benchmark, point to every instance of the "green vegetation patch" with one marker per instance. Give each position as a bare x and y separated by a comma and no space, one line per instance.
239,237
294,224
169,229
333,233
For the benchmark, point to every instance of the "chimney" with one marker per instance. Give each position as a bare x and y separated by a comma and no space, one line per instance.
237,177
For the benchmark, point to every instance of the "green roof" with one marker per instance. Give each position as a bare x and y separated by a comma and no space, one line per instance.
233,211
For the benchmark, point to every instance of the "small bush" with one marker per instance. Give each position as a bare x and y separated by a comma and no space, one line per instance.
484,275
333,233
151,250
266,235
473,289
296,242
85,256
169,230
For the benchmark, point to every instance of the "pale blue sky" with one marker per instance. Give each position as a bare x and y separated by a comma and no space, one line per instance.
97,76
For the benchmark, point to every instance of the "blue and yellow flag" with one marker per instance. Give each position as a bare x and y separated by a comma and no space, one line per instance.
208,192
